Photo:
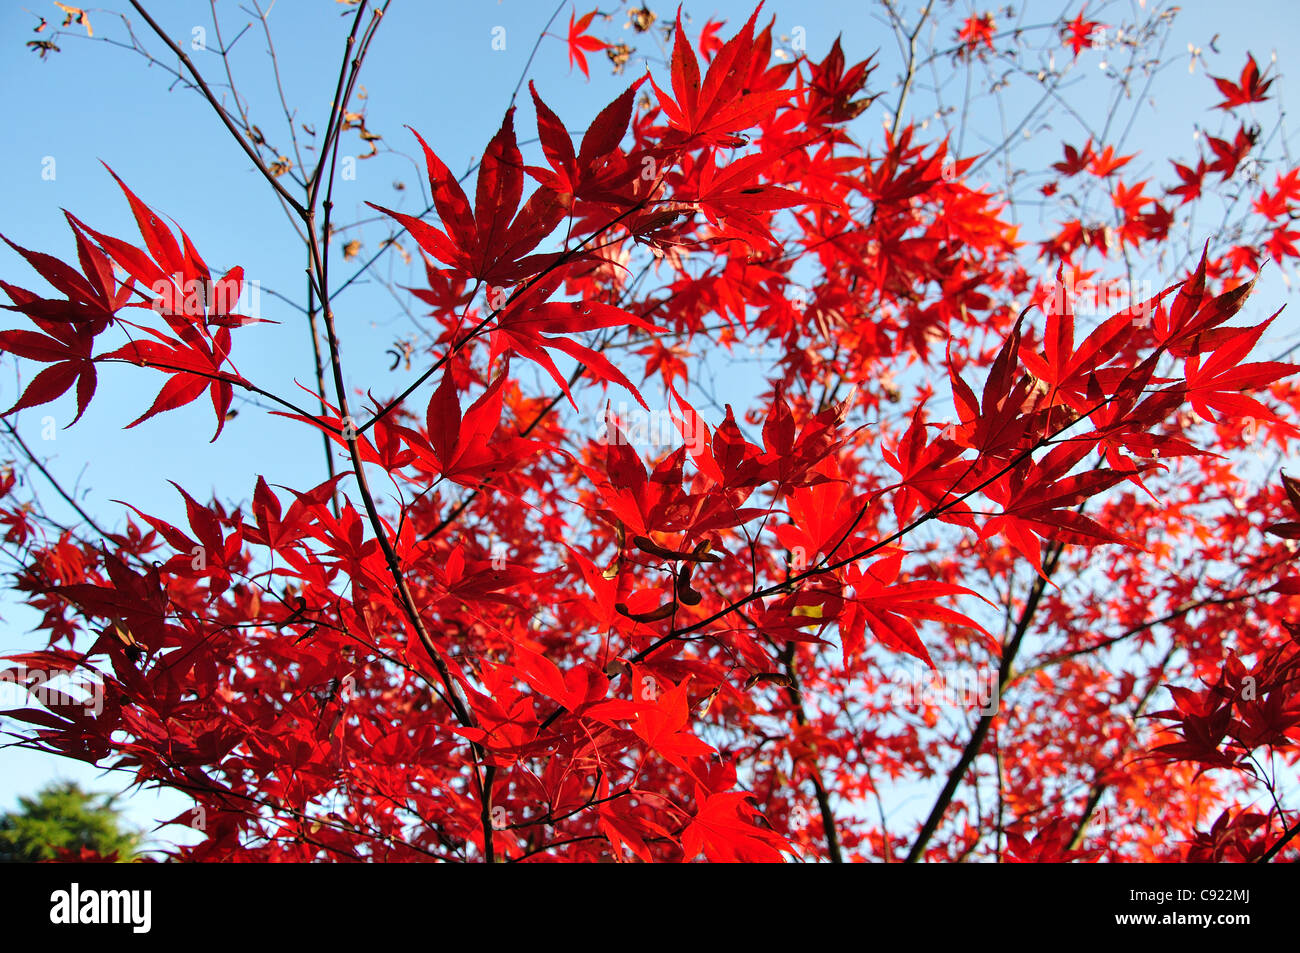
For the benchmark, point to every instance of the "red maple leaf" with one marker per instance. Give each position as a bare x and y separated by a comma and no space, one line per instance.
1106,162
579,43
1077,33
1076,160
714,110
725,830
1249,88
464,447
976,34
492,242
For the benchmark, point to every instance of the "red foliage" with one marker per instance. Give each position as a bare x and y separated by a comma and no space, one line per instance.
564,649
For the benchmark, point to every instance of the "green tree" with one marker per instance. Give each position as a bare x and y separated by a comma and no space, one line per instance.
63,816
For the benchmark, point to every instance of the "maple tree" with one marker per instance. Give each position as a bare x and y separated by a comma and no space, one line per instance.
494,634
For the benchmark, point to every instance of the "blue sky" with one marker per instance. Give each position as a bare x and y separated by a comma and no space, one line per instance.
433,67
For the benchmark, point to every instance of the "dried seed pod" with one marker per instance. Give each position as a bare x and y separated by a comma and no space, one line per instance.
685,594
654,615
